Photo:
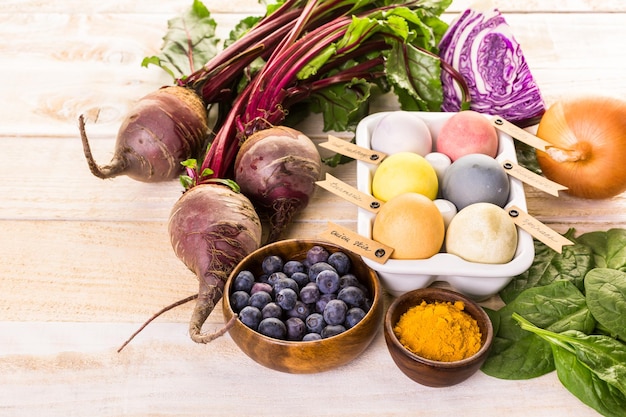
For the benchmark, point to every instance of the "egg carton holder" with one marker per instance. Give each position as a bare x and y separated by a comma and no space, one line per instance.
476,280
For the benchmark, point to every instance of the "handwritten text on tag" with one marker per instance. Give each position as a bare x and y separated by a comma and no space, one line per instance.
356,243
351,150
349,193
538,230
532,179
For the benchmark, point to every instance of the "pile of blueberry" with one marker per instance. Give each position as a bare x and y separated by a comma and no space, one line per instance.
309,299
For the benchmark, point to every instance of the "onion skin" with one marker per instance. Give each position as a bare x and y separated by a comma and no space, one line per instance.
588,135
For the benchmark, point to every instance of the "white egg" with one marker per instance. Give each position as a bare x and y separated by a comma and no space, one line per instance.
401,131
440,162
447,210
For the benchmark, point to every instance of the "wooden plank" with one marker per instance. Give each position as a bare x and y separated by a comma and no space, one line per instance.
85,65
247,7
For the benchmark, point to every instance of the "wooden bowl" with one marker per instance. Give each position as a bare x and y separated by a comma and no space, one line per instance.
429,372
311,356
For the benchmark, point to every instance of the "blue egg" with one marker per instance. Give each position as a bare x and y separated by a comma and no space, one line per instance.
475,178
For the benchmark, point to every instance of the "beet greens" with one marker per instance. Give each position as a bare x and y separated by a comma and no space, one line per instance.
391,46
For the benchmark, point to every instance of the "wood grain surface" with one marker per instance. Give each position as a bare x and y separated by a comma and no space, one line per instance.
84,261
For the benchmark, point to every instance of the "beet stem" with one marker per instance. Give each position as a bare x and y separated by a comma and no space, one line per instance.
115,168
155,315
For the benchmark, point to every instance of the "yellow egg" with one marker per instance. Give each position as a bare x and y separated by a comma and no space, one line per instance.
404,172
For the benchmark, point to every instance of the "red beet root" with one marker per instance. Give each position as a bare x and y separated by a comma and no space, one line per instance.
162,130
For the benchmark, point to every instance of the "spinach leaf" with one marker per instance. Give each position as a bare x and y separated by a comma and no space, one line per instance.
592,367
548,266
587,386
606,298
518,354
609,248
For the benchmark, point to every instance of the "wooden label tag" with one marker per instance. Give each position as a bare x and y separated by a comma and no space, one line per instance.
530,178
519,133
349,193
538,230
356,243
351,150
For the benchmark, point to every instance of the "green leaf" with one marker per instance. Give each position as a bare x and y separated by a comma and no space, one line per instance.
189,43
241,29
186,181
585,385
608,247
415,77
518,354
190,163
548,266
592,367
510,359
342,105
606,297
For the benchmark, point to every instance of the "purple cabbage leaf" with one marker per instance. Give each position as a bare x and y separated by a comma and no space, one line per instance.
481,47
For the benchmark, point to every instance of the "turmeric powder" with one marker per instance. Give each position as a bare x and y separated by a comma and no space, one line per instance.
439,331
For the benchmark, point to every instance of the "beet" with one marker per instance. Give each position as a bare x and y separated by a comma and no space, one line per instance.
162,130
212,228
277,169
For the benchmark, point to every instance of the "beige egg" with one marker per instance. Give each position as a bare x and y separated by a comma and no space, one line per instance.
484,233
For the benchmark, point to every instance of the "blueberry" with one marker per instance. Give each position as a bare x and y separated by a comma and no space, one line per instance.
296,329
243,281
348,280
272,310
311,336
352,296
324,299
341,262
286,298
332,330
272,264
299,310
328,281
238,300
285,283
316,254
250,316
273,327
275,276
291,267
262,278
301,278
261,286
335,312
315,323
260,299
310,293
353,317
317,268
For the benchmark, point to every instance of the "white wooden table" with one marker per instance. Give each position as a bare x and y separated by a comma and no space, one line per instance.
84,261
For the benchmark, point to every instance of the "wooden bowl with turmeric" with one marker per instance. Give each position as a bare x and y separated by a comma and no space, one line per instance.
437,337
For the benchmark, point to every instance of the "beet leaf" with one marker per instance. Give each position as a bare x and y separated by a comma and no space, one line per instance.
189,43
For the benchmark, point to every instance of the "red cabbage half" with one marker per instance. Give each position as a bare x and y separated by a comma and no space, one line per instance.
480,46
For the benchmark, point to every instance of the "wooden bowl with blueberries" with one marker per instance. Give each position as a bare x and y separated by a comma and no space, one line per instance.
303,306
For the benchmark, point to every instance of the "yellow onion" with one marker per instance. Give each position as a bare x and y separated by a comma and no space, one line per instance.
588,155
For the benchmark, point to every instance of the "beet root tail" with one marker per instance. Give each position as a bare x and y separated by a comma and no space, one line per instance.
282,211
117,165
204,306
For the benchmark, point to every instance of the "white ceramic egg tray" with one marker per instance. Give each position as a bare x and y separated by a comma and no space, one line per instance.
476,280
